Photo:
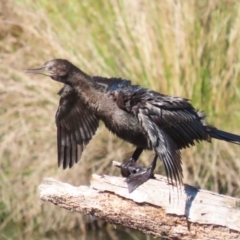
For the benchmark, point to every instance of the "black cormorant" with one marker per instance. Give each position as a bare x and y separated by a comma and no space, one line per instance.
145,118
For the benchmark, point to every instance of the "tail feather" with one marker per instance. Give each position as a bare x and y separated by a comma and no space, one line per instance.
224,136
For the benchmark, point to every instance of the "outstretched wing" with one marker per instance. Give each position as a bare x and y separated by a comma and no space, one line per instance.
170,122
174,115
76,125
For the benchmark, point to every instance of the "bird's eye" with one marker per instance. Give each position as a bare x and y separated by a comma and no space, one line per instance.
50,68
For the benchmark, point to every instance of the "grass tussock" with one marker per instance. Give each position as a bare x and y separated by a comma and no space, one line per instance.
185,48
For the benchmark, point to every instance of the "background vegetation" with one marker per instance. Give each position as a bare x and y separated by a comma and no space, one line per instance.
186,48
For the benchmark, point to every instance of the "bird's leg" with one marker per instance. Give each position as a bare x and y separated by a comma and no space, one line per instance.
131,166
136,179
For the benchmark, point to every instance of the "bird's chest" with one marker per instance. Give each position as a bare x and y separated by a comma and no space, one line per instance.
124,125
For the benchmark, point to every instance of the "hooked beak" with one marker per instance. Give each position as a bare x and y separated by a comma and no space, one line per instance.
41,70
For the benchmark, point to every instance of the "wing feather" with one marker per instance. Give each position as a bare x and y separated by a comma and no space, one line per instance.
163,145
174,115
76,125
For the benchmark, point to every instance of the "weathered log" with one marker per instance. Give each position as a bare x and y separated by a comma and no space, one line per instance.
155,208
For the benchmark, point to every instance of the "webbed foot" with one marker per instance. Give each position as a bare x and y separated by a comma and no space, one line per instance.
130,167
138,178
137,175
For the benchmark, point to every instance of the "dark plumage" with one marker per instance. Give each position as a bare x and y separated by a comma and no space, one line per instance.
145,118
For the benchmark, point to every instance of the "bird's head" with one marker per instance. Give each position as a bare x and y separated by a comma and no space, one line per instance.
57,69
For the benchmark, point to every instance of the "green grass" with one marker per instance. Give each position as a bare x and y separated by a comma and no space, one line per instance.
184,48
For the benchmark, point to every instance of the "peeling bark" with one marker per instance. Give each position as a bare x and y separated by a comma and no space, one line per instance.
154,208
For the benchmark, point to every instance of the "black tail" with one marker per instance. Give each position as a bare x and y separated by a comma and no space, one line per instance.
225,136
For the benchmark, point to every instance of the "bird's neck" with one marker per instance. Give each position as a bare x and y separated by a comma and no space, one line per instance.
78,78
87,88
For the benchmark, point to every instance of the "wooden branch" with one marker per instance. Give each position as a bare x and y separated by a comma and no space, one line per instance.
155,208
